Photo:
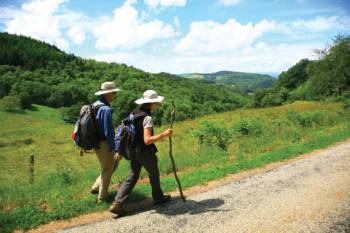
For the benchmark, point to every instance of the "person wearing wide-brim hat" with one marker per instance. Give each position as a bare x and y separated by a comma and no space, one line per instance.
145,155
105,151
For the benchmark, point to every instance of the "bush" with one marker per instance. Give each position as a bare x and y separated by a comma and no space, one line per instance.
295,134
64,176
71,114
301,93
307,119
270,97
214,134
346,104
11,104
247,127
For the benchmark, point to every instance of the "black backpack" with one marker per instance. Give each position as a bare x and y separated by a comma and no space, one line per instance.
86,135
125,138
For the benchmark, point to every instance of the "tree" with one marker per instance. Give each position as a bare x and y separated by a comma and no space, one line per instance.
294,76
331,74
30,92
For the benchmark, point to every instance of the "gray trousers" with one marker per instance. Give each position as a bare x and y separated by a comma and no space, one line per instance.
150,162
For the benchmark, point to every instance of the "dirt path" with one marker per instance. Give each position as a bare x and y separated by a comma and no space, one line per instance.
308,195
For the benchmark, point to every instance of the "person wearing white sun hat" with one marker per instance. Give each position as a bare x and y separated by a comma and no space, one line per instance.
105,129
145,155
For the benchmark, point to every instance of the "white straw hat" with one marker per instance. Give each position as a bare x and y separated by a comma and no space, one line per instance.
150,96
107,87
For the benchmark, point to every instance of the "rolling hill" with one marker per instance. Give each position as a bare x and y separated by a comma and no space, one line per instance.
247,82
38,73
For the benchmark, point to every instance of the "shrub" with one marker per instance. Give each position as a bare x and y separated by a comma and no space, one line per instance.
214,134
63,176
71,114
270,97
11,104
295,134
246,126
301,93
346,104
307,119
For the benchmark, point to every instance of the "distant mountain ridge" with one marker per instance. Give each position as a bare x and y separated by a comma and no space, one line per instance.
243,81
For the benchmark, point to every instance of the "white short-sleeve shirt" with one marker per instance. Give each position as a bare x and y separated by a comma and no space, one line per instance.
148,122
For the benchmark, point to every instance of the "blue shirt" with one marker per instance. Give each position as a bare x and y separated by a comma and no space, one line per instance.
105,122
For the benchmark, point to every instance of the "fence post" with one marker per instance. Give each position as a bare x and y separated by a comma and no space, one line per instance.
31,168
200,142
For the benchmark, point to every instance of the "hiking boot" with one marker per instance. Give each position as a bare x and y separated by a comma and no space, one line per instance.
100,201
94,191
116,208
163,199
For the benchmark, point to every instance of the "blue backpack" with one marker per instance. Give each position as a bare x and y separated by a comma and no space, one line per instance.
125,139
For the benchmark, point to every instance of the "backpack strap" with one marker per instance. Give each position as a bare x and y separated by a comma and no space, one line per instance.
97,106
140,114
94,109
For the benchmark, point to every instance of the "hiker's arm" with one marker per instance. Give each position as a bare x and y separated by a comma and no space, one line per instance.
108,128
149,139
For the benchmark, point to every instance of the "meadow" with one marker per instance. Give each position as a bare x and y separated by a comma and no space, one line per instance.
205,149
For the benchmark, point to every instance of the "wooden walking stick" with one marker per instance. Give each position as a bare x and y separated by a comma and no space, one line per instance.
172,116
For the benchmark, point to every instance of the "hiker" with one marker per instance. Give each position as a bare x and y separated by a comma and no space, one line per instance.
105,152
145,155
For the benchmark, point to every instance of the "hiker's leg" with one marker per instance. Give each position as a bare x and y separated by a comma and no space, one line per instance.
96,185
129,183
150,162
106,158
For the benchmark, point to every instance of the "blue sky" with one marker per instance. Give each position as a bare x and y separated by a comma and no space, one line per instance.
181,36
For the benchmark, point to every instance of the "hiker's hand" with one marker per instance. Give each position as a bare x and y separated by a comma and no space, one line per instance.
118,156
168,133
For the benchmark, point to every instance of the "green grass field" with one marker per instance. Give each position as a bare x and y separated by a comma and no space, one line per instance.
63,178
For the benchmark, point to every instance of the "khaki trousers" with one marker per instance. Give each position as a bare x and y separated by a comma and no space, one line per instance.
108,166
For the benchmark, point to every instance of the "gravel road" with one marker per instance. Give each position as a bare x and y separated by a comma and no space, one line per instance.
310,195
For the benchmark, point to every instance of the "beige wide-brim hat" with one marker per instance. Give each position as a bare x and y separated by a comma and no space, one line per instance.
107,87
150,96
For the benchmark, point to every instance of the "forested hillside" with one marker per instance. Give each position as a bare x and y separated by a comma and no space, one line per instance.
327,78
33,72
244,82
28,53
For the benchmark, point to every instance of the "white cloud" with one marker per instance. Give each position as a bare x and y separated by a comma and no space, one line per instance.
274,58
177,22
43,7
211,37
154,4
8,12
127,30
208,45
315,25
321,24
37,19
61,43
229,2
261,46
77,34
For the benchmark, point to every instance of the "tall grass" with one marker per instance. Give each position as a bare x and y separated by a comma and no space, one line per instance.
205,149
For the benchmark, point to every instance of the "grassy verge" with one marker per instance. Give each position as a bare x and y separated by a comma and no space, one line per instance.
61,185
